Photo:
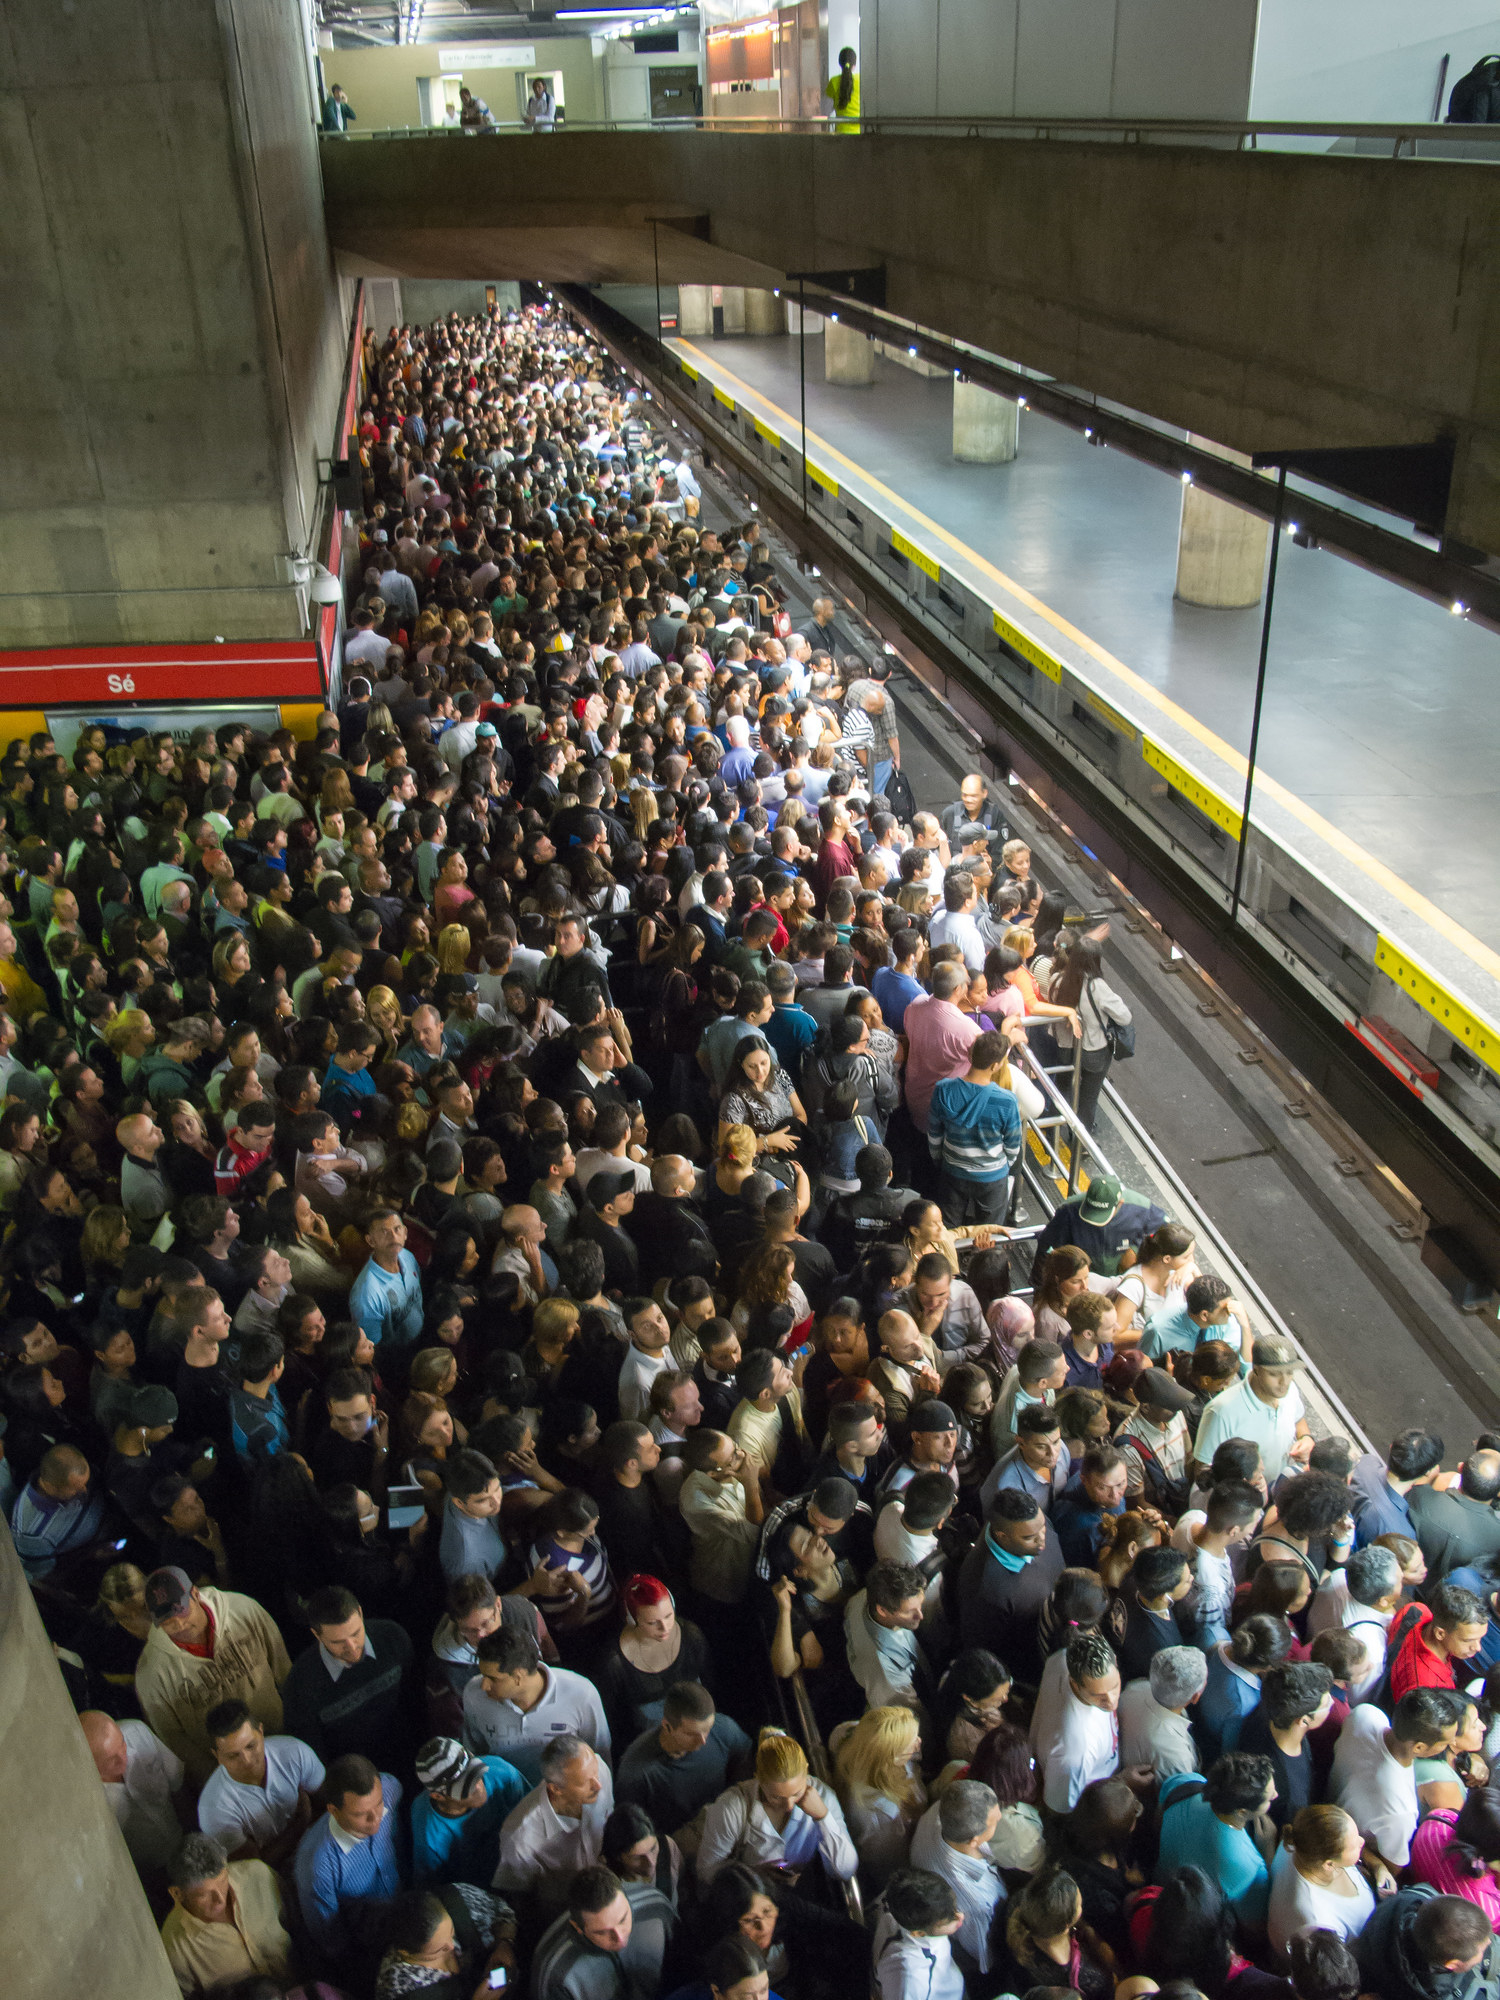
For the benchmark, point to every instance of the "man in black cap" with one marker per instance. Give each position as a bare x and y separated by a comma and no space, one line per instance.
873,1215
1157,1443
610,1197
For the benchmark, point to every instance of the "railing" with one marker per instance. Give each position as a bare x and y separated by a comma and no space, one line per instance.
1059,1150
1398,142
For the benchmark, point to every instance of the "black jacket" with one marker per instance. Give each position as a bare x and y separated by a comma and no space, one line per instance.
1395,1969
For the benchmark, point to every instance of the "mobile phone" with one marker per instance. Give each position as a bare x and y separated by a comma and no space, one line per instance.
496,1978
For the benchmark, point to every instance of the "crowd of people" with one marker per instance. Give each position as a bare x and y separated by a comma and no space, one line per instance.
518,1258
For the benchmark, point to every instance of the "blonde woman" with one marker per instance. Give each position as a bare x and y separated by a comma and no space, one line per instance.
733,1167
454,946
130,1035
383,1014
875,1769
782,1818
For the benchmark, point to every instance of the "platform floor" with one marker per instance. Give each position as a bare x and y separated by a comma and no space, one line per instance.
1377,702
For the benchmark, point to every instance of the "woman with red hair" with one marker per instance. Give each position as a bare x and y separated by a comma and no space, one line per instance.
652,1652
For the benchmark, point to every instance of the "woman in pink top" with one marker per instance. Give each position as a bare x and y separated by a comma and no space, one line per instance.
1459,1853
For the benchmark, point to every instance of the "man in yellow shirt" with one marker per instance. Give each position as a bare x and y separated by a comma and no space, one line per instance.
225,1923
23,997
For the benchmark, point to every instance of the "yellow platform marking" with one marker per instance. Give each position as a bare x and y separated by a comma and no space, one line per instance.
1029,649
770,436
820,478
1478,1036
726,400
1110,715
915,555
1482,955
1213,805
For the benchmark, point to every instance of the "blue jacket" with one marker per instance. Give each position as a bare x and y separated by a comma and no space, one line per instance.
332,1881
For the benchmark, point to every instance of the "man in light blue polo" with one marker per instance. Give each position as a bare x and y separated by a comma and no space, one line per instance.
386,1298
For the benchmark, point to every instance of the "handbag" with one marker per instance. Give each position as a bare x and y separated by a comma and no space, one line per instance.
1118,1035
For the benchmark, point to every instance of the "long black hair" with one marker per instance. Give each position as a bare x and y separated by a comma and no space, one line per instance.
846,79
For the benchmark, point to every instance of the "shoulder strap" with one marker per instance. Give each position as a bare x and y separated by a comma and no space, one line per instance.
1193,1791
464,1928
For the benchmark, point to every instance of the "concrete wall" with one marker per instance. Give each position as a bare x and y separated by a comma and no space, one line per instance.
382,83
75,1918
1056,58
1365,61
170,330
423,300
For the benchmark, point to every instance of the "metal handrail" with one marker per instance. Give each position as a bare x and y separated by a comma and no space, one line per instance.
1247,133
818,1764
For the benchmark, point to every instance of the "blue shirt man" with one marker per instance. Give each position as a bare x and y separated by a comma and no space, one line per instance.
349,1863
57,1514
1194,1831
1096,1489
790,1029
386,1298
456,1820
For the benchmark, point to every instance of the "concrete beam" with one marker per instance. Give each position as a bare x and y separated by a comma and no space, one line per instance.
1262,299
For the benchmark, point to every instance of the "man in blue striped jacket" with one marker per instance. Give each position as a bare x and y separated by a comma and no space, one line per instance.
974,1133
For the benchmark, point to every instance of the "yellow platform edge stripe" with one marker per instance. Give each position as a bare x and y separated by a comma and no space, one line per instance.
823,479
1479,1036
1193,788
688,369
1110,715
765,431
722,396
915,555
1030,649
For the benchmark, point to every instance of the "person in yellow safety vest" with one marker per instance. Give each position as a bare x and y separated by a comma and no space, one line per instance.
843,90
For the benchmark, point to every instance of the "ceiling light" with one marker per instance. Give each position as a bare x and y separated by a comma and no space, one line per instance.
1187,479
1020,402
1458,608
911,350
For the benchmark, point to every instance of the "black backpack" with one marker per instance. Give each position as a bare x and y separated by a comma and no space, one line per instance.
1475,98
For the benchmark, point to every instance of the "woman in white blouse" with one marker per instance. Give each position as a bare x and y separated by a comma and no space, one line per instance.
782,1818
1316,1883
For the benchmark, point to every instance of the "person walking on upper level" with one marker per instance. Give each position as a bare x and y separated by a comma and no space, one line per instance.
843,92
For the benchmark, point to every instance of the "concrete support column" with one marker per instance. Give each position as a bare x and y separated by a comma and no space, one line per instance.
733,297
70,1887
794,316
847,356
1221,550
762,312
986,427
695,311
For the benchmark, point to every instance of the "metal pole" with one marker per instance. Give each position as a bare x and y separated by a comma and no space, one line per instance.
802,381
1260,695
1074,1144
656,259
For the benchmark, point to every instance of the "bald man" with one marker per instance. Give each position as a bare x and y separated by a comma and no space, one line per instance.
144,1194
146,1786
671,1238
1459,1526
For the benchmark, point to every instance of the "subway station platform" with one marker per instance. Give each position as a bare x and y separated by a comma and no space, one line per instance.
1379,713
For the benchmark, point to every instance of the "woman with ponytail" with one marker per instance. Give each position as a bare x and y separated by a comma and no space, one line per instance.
843,90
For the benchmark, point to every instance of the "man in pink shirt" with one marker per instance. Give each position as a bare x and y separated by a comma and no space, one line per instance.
937,1039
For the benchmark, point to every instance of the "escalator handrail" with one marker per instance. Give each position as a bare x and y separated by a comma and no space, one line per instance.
818,1764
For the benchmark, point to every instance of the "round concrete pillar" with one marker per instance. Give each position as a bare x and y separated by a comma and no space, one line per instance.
985,426
762,312
695,310
848,357
1221,553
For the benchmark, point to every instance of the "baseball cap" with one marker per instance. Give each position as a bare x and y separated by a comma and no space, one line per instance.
1161,1390
1101,1201
931,1416
486,729
151,1406
444,1765
972,835
169,1592
1272,1352
607,1187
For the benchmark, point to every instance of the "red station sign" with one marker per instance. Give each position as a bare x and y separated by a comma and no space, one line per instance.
280,670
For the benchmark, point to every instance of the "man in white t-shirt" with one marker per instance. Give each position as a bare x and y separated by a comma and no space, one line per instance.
144,1783
1077,1738
1374,1768
1207,1539
258,1803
